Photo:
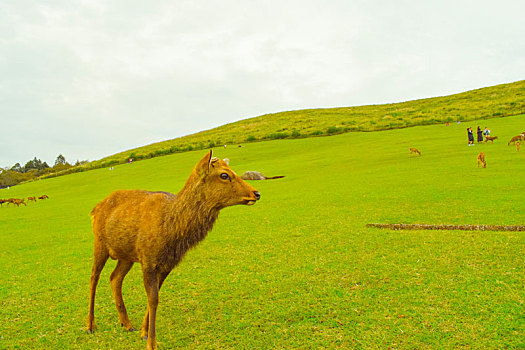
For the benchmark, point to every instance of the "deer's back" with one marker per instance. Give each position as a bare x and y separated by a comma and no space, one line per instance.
128,223
253,175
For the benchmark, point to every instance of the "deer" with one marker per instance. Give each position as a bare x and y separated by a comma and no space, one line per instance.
44,196
255,175
520,137
156,229
481,160
16,201
517,146
29,199
414,150
490,138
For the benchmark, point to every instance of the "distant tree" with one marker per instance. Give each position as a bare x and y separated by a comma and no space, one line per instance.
36,164
60,160
17,167
60,164
81,162
11,178
6,179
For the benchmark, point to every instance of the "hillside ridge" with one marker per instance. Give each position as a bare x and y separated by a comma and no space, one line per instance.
489,102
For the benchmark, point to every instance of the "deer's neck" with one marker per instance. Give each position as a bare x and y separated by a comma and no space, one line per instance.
190,216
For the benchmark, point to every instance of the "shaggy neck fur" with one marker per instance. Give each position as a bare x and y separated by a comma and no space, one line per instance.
188,217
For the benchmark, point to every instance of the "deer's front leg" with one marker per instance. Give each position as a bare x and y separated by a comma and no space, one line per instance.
151,283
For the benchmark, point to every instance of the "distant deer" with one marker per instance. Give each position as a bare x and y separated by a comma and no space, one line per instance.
29,199
16,201
45,196
516,138
414,150
490,138
255,175
156,229
481,160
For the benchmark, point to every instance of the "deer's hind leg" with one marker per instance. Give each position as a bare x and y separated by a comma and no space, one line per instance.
101,255
116,278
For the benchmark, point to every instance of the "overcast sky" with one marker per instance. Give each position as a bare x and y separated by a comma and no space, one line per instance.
91,78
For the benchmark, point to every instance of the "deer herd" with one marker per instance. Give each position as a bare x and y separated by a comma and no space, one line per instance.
481,156
18,201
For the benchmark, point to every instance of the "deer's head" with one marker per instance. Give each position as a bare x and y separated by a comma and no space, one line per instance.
220,185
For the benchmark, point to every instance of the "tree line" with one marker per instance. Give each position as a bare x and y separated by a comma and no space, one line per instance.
32,170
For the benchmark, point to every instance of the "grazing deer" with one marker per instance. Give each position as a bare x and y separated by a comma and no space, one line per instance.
517,146
490,138
16,201
2,201
156,229
481,160
519,137
29,199
45,196
414,150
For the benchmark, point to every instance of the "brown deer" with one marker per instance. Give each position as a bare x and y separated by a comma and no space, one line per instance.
16,201
481,160
490,138
45,196
156,229
516,138
29,199
414,150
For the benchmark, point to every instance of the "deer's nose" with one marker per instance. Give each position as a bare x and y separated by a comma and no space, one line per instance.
257,195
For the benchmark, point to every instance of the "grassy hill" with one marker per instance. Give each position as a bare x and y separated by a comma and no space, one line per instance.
489,102
299,269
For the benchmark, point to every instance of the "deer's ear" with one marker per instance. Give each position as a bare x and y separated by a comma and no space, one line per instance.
203,167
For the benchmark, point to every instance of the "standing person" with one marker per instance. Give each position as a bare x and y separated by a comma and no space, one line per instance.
486,132
470,137
480,135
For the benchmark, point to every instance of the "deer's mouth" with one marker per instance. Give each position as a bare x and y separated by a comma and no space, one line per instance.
251,200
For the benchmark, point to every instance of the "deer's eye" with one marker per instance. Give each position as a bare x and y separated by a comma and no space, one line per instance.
225,176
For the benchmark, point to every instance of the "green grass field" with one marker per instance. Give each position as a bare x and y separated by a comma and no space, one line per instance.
299,269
